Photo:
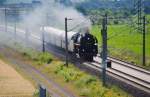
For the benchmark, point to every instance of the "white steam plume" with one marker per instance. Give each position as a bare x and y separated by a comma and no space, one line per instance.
54,14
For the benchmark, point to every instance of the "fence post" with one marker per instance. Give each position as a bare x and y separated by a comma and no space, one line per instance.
42,91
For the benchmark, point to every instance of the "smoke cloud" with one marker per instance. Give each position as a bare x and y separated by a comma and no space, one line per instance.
53,14
49,13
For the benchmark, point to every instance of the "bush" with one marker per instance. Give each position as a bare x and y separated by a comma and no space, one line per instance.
85,80
45,58
39,58
69,74
116,22
36,93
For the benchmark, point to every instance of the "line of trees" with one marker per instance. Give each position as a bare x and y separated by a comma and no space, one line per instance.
114,8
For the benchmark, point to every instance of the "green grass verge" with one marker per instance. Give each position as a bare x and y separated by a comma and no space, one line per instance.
75,80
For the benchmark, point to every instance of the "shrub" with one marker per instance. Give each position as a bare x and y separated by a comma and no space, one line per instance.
45,58
39,58
69,73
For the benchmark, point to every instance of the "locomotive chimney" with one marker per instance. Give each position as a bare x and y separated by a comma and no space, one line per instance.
84,30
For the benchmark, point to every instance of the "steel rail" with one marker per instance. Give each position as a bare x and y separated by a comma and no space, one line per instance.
128,77
122,73
129,65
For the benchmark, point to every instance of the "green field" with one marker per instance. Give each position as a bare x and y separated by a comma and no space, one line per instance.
125,42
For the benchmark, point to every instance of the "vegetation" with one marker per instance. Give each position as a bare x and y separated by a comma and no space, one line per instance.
78,82
125,42
88,85
114,8
39,58
36,93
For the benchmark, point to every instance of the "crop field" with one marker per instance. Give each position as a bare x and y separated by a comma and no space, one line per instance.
125,42
12,84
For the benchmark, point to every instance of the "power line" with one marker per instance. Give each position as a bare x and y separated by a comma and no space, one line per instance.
139,10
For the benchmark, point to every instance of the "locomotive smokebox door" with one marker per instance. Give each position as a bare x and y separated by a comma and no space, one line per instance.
108,63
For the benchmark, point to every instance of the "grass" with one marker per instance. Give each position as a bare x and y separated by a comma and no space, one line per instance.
88,85
73,79
125,43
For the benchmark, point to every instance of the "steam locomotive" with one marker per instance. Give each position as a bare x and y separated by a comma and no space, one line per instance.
83,45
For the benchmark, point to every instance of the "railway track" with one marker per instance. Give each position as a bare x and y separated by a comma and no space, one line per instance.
137,76
129,74
137,82
129,65
133,80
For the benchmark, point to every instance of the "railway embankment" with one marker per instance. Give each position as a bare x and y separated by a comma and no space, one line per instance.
71,79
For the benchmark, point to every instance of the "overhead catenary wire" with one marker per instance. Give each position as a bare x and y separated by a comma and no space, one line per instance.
132,23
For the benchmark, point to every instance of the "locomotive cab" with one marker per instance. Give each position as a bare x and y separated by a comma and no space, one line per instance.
86,45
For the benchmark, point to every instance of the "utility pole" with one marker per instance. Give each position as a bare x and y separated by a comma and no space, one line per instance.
47,16
15,26
5,18
43,32
144,45
43,39
26,29
141,26
15,21
104,48
26,35
139,12
66,39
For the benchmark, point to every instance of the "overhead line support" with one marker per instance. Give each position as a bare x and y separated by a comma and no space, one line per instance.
144,40
104,48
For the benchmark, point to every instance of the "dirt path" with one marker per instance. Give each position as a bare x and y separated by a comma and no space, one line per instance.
12,84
